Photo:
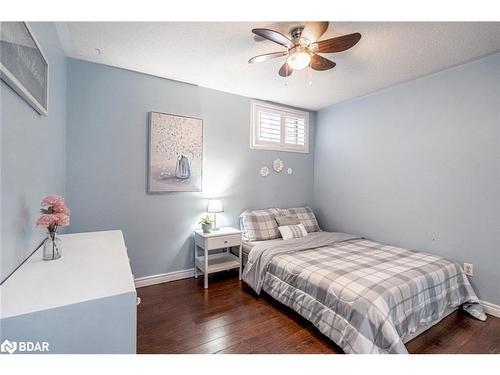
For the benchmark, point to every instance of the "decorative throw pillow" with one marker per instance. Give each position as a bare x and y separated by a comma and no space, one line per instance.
292,231
260,225
306,217
287,220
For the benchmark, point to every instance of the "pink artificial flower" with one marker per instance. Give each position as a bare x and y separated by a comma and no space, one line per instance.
54,204
53,200
46,220
54,213
58,209
61,219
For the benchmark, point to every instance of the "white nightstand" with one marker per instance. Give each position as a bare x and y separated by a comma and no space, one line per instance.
224,238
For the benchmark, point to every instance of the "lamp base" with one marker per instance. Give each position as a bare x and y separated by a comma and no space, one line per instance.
215,228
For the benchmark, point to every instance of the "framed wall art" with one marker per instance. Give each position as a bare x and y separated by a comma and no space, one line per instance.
23,66
175,153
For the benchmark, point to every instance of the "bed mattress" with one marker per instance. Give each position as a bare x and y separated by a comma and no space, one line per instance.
367,297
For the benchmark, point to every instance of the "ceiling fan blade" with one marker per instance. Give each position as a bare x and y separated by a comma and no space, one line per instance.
267,56
285,70
313,30
338,44
273,36
320,63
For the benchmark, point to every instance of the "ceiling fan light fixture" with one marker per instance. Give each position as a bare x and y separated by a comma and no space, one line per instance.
299,58
304,47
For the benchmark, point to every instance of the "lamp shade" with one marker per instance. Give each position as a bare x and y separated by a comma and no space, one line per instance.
214,206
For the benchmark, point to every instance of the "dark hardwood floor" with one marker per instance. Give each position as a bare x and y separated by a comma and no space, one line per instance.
183,317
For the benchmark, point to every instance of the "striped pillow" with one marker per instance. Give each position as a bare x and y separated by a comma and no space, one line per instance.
292,231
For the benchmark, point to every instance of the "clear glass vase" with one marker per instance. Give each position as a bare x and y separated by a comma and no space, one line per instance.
52,248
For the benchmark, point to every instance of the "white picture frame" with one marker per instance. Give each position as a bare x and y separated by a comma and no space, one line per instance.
23,65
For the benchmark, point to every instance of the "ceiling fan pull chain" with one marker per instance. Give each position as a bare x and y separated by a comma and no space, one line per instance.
310,76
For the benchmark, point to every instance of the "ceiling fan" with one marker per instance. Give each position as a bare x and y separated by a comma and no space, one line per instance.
303,46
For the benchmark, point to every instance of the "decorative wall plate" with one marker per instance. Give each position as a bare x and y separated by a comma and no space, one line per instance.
278,165
264,171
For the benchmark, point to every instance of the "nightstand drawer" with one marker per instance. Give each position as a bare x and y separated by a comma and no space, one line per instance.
223,241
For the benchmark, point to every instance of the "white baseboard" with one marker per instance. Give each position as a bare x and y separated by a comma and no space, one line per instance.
163,278
491,308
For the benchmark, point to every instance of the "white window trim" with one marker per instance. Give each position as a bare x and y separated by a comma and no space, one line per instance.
282,110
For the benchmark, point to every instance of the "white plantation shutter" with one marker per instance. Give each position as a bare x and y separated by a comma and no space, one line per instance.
269,127
295,131
279,128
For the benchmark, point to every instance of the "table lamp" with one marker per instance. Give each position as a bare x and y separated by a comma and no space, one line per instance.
214,207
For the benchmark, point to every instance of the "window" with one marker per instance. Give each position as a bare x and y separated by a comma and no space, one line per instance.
279,128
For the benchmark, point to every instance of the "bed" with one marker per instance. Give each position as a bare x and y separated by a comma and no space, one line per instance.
365,296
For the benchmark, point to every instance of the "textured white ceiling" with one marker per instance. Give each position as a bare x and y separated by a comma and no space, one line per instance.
215,55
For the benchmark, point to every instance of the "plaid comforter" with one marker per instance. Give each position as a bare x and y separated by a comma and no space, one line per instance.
365,296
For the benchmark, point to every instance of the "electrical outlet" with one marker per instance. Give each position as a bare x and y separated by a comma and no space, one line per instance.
469,269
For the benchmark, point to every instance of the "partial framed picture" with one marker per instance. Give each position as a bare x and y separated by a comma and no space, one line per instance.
175,153
23,66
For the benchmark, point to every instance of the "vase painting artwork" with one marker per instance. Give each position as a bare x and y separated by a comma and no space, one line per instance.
175,153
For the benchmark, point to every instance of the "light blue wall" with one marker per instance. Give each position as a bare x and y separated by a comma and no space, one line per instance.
107,163
418,165
32,155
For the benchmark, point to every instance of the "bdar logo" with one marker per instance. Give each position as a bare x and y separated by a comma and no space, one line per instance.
8,347
24,346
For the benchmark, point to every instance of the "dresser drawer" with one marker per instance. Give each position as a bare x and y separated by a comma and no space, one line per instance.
223,241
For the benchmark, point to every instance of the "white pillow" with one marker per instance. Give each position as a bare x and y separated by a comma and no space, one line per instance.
292,231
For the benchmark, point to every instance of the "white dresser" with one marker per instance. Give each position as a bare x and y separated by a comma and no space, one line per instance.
84,302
